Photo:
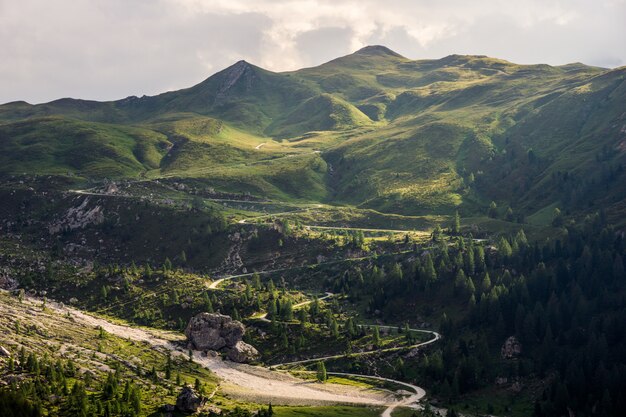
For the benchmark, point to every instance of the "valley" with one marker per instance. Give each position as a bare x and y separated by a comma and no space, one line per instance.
390,237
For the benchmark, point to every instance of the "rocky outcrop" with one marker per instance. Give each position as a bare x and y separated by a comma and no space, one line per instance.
189,401
78,218
217,332
240,73
511,348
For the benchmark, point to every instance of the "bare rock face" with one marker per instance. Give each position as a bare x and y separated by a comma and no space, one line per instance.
511,348
241,73
212,331
189,401
78,218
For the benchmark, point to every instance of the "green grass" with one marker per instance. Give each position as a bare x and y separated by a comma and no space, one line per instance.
333,411
57,146
323,112
395,135
503,402
58,336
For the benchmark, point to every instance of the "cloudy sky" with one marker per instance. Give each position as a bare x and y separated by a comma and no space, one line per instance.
110,49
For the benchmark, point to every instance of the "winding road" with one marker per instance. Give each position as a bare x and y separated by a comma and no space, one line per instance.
418,393
412,399
258,379
250,219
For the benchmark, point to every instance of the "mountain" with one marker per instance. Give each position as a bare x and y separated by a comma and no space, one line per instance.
371,129
457,224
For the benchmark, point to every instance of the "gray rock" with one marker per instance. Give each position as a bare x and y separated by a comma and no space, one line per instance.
189,401
217,332
233,332
78,218
4,352
511,348
212,331
243,353
8,283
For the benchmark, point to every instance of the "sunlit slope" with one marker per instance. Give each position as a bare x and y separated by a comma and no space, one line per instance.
568,147
59,146
323,112
372,129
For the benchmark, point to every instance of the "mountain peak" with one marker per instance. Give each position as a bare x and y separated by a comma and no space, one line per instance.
241,63
240,73
379,50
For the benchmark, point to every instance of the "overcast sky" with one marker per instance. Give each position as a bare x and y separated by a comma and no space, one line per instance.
110,49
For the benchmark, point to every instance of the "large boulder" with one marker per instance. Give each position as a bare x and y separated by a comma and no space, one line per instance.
243,353
217,332
212,331
189,401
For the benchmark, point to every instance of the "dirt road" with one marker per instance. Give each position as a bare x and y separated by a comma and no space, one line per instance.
244,380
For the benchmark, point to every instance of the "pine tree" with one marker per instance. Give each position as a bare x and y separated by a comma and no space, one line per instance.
504,248
167,265
287,311
521,239
460,282
321,372
334,328
456,225
376,336
396,272
126,393
302,316
315,307
147,271
485,284
429,270
509,215
168,367
256,281
493,210
208,305
400,367
557,218
135,400
271,309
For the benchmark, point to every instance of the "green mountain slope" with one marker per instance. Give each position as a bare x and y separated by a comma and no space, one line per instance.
323,112
52,145
376,130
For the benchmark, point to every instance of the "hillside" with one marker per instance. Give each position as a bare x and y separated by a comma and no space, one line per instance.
378,225
391,134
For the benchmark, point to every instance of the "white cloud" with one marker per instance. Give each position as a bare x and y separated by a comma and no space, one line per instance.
106,49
